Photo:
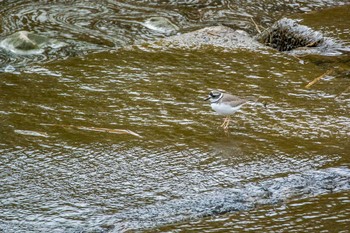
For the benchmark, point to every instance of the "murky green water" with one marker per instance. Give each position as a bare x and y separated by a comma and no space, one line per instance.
59,178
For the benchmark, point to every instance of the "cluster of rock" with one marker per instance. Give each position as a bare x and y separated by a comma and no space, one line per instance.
284,35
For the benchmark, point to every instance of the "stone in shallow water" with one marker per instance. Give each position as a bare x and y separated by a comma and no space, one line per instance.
25,43
287,34
217,36
161,24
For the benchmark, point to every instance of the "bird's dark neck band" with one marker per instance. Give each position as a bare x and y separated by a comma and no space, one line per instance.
220,97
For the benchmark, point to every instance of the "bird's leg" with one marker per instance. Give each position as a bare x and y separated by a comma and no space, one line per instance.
223,124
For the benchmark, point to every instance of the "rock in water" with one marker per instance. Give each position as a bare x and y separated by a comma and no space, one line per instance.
24,42
161,24
216,36
287,34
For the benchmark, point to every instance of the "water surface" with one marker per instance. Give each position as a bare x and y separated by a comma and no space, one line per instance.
58,178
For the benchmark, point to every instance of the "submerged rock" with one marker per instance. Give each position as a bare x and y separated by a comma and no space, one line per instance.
161,24
246,197
25,43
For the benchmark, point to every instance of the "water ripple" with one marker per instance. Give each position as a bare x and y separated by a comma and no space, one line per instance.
61,179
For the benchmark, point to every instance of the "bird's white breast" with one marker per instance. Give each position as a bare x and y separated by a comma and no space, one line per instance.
224,109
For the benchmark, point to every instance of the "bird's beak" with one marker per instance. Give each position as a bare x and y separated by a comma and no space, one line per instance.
207,98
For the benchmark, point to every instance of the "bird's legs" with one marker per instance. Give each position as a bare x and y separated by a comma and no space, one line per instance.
226,122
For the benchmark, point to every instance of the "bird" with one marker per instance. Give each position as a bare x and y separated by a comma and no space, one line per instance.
227,104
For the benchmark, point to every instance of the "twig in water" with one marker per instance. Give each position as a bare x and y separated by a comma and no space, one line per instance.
256,26
94,129
318,78
300,60
106,130
311,44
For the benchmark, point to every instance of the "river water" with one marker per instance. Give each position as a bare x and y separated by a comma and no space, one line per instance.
283,168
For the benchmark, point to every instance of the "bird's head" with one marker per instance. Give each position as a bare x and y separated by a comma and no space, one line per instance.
214,96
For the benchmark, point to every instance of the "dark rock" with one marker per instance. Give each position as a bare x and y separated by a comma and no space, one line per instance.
287,34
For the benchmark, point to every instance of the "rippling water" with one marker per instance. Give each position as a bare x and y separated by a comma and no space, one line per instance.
86,27
56,177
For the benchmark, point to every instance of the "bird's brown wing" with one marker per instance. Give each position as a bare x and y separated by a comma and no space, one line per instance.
235,100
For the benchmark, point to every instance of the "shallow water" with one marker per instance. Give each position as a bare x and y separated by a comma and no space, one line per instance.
59,178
